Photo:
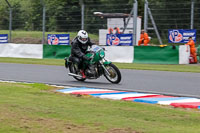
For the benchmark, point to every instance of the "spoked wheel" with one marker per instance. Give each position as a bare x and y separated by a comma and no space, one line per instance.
73,70
114,75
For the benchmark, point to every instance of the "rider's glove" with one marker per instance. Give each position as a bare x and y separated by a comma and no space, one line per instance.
86,58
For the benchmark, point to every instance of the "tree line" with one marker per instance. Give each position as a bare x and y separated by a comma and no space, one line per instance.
65,15
60,14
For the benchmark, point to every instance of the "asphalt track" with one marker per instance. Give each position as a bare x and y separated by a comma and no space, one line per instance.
161,82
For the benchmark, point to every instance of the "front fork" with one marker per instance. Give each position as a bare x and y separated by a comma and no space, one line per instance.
103,66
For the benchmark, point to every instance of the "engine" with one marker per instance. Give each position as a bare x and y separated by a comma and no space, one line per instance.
91,71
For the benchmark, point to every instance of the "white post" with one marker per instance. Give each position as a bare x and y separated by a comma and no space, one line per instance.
135,13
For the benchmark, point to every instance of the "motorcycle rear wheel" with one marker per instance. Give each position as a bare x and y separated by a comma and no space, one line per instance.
114,75
73,70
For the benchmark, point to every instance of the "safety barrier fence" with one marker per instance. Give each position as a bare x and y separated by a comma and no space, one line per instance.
156,55
123,54
71,16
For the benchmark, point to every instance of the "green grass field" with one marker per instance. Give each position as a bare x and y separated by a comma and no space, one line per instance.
37,108
38,34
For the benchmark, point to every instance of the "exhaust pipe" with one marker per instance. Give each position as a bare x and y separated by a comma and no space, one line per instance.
74,75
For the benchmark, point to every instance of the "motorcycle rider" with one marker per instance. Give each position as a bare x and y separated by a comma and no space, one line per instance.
78,50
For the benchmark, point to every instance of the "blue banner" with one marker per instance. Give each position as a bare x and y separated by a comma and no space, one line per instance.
181,36
58,39
119,40
3,38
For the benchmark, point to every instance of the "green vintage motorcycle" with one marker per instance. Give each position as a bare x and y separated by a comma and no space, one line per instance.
96,67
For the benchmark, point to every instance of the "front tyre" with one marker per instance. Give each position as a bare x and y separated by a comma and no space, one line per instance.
114,75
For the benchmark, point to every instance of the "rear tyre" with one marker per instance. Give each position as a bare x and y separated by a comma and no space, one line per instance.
114,75
73,70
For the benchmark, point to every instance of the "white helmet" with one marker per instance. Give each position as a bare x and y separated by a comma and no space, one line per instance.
82,36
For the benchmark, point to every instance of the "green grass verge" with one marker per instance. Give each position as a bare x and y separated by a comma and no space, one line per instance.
38,34
37,108
176,68
58,62
195,68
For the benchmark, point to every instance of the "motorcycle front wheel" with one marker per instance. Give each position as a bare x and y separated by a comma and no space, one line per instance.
73,70
113,74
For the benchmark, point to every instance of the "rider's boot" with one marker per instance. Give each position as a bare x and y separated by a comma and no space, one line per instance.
82,73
